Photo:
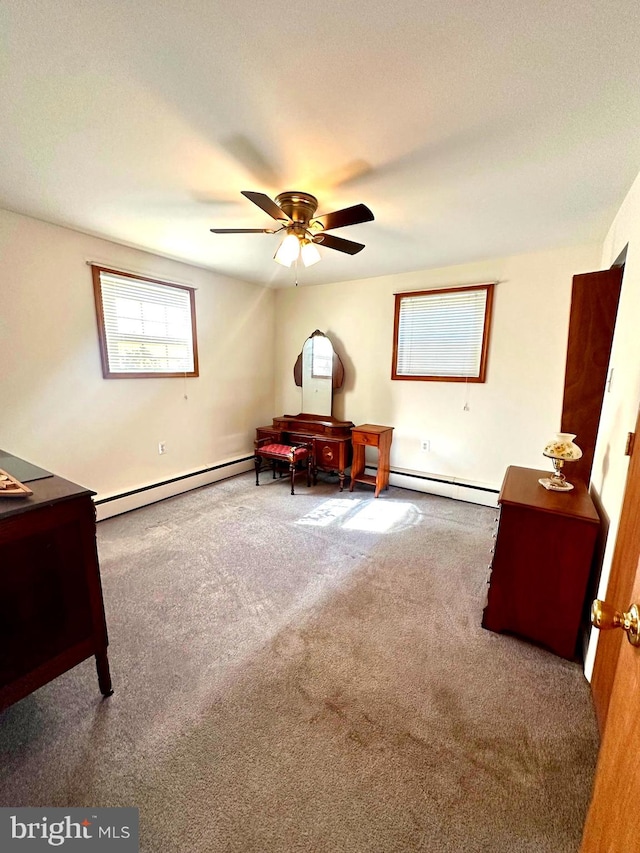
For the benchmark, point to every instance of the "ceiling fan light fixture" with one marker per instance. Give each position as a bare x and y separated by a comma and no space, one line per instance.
309,253
288,250
295,212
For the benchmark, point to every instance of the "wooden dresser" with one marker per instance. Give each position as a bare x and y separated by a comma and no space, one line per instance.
540,568
329,438
51,608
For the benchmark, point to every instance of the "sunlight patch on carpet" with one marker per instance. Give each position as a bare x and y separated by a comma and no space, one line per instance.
368,515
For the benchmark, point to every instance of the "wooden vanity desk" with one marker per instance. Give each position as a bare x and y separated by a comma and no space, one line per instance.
330,439
319,372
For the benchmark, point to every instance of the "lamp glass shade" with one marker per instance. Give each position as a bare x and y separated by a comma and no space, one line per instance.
309,253
288,250
560,450
562,447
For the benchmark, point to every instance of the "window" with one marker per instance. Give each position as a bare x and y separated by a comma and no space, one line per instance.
147,328
442,335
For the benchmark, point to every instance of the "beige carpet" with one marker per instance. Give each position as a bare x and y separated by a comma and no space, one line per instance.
309,673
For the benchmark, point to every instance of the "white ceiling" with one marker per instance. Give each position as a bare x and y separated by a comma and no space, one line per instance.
471,130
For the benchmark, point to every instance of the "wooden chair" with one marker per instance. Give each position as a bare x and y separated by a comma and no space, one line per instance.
293,455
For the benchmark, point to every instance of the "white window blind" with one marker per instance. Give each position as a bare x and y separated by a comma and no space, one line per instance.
148,326
441,334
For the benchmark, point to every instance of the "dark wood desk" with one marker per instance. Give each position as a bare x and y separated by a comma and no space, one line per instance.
540,569
330,439
51,607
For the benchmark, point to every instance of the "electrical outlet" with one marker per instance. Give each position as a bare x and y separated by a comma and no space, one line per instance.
162,447
425,445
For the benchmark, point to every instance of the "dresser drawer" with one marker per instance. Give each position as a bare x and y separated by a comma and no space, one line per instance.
371,439
299,439
329,454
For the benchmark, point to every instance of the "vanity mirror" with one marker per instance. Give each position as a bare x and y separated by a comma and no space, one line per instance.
318,371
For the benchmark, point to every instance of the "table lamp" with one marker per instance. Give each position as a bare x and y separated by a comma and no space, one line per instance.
560,450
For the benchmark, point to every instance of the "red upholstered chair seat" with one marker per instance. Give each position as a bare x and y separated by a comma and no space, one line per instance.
284,450
285,453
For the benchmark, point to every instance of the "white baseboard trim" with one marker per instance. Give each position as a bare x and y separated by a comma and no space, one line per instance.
477,493
115,504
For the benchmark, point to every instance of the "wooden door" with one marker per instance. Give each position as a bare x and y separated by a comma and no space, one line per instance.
594,305
619,590
611,825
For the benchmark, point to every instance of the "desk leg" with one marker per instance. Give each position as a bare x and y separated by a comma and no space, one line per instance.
378,484
357,466
104,676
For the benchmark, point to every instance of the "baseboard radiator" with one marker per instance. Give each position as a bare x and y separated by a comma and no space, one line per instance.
116,504
109,505
455,488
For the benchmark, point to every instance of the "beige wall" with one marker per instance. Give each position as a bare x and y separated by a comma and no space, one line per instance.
509,418
620,406
57,410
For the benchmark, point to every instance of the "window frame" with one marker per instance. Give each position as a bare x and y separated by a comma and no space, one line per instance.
486,330
107,373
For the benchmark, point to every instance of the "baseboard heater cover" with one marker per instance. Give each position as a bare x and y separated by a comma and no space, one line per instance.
449,488
154,492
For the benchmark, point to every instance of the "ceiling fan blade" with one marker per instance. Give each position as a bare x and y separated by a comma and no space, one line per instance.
343,175
244,230
268,205
251,158
348,216
342,245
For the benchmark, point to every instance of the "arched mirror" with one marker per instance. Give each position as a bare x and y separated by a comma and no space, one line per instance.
319,371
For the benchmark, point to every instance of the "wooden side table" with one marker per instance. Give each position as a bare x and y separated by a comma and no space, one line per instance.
371,435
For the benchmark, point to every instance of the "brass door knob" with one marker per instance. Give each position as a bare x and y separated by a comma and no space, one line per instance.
604,616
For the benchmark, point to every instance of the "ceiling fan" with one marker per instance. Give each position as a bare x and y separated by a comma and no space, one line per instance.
295,213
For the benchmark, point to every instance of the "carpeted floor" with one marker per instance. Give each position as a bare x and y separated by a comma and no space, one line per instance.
309,673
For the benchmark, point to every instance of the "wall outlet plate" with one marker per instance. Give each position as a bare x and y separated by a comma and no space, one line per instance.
162,447
425,445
